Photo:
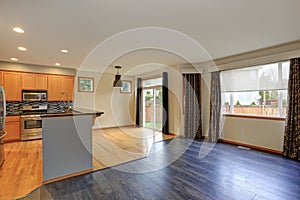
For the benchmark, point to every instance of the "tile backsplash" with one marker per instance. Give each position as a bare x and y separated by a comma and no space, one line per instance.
14,108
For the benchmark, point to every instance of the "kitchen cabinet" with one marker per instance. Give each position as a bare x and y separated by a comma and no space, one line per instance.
54,88
31,81
1,78
12,85
28,81
14,82
13,128
58,84
68,87
41,81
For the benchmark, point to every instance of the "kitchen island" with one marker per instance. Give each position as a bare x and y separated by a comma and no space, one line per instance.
67,143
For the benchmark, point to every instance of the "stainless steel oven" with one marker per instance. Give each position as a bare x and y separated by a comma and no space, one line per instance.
31,122
31,127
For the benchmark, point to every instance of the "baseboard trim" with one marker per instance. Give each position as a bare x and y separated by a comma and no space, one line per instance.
251,146
173,134
124,126
68,176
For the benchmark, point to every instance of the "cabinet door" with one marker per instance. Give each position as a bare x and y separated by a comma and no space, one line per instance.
41,82
68,86
28,81
13,129
54,88
1,78
12,85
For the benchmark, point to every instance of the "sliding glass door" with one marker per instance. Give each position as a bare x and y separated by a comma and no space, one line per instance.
152,107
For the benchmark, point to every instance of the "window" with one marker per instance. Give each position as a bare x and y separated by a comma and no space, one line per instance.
152,82
259,90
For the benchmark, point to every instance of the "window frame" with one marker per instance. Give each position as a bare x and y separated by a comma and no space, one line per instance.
281,117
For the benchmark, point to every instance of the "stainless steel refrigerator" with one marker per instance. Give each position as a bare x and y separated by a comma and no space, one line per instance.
2,122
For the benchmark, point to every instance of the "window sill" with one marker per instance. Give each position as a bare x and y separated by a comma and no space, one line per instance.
256,117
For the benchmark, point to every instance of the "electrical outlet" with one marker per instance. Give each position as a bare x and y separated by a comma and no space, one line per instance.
241,134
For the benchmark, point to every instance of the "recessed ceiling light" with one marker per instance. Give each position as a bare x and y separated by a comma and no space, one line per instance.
64,51
18,30
14,59
22,48
57,64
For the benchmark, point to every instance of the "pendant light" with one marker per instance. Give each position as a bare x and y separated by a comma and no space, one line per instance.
118,82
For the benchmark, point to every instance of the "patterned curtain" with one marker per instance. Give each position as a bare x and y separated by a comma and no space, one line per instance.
291,146
214,132
192,106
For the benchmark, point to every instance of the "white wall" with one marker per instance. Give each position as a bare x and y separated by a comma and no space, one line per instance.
257,132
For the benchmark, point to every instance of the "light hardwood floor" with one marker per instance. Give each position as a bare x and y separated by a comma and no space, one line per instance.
22,169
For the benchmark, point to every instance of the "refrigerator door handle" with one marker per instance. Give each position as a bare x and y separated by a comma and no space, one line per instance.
3,135
4,107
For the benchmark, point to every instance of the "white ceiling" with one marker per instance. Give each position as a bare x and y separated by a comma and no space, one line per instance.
221,27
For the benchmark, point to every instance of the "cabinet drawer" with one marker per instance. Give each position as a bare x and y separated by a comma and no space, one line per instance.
12,119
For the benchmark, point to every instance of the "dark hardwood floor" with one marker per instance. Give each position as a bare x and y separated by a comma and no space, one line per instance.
174,170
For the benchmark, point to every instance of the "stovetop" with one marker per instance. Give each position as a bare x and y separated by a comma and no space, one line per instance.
33,113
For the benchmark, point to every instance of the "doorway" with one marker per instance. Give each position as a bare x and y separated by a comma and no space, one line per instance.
152,107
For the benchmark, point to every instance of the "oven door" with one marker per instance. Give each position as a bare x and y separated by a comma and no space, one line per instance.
31,128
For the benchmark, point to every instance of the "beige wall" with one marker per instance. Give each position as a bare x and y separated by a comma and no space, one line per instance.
175,96
205,98
175,101
13,66
118,107
258,132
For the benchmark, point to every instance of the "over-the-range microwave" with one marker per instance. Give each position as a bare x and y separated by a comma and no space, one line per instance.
34,95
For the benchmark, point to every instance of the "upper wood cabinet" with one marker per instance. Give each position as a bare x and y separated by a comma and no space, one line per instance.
28,81
34,81
68,86
41,81
14,82
57,85
54,88
12,85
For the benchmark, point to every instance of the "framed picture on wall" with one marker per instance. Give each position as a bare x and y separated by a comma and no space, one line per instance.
85,84
126,86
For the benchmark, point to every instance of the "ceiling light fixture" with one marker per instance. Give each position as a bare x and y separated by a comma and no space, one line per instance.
18,30
22,48
64,51
14,59
57,64
118,82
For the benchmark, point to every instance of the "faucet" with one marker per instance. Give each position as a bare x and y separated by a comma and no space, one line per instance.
68,106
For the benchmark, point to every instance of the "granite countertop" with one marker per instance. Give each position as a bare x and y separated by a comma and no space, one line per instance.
74,112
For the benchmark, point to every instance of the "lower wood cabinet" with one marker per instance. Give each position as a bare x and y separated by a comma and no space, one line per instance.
13,129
